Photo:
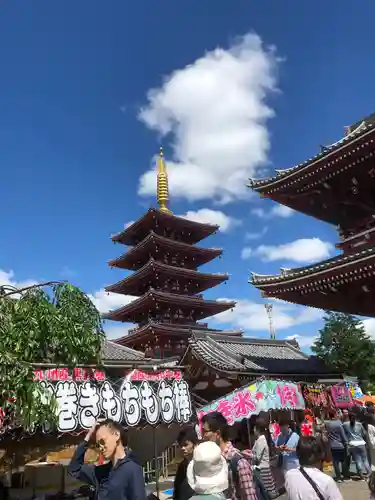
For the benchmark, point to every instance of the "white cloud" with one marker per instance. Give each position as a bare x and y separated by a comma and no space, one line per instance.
251,315
369,325
304,250
246,253
277,211
7,279
127,224
249,236
209,216
303,340
105,301
282,211
215,111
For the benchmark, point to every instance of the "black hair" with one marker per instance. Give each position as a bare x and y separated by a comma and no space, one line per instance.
352,418
217,423
309,451
115,427
263,427
187,434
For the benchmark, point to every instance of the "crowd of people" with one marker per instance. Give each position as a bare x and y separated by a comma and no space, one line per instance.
263,468
259,469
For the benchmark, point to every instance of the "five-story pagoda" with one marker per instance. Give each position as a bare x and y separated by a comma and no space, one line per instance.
163,254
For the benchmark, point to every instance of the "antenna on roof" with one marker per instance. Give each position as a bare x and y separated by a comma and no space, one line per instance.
268,308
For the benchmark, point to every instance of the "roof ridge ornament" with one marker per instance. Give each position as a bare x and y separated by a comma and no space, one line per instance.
162,194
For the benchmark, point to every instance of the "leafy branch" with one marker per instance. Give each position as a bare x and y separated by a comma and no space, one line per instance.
61,326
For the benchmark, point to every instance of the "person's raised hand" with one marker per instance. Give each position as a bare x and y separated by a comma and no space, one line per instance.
91,433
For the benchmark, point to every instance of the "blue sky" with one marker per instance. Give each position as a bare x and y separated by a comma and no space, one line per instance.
79,129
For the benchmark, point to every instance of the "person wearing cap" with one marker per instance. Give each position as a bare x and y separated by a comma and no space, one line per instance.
241,479
207,472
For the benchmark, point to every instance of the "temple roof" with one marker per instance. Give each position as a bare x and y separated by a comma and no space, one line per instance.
115,352
153,270
326,159
253,356
138,255
340,262
171,329
156,220
344,284
152,298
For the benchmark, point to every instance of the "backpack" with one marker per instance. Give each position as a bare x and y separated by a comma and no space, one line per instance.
233,480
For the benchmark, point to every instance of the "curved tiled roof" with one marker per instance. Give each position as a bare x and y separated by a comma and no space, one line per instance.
363,130
145,224
209,307
292,275
115,352
154,269
251,356
130,259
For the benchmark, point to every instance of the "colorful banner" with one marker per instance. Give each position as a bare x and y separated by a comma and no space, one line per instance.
341,396
355,390
83,396
259,396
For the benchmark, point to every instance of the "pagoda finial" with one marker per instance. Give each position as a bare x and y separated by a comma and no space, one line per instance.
162,184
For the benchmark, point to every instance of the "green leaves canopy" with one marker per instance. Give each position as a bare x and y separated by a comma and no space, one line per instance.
62,327
344,346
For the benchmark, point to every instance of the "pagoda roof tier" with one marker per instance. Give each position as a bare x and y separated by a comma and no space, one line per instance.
253,356
345,284
165,224
155,245
155,301
154,328
154,274
334,177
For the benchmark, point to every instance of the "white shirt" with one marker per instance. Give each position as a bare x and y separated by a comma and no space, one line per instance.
298,487
371,435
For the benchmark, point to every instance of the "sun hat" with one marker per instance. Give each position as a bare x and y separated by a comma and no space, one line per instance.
207,472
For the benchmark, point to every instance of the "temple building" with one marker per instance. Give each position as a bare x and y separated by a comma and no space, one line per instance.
336,186
166,281
170,310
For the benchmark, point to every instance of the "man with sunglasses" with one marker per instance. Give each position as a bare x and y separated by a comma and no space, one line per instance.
119,478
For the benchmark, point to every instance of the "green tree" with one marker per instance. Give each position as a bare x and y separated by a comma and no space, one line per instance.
61,326
344,346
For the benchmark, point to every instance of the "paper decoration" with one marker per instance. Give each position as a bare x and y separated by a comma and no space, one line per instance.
251,400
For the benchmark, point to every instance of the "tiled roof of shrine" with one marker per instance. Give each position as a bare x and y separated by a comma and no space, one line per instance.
254,356
359,132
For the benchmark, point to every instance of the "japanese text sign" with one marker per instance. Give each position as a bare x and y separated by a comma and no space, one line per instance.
153,398
251,400
341,396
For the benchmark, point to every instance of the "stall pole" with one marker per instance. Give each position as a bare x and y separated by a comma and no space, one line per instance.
156,465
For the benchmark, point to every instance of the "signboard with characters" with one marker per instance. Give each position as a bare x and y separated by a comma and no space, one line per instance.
153,398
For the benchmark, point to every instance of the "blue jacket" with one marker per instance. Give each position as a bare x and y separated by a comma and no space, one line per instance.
124,481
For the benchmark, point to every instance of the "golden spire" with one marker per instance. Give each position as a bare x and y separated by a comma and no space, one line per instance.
162,184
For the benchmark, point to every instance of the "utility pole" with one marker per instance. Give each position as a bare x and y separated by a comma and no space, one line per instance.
268,308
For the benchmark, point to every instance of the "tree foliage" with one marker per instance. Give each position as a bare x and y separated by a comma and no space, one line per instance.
345,347
62,327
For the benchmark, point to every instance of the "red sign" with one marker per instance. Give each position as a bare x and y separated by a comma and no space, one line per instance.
341,395
62,374
139,376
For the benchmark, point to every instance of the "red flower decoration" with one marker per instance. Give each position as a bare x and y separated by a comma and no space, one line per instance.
259,396
306,429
